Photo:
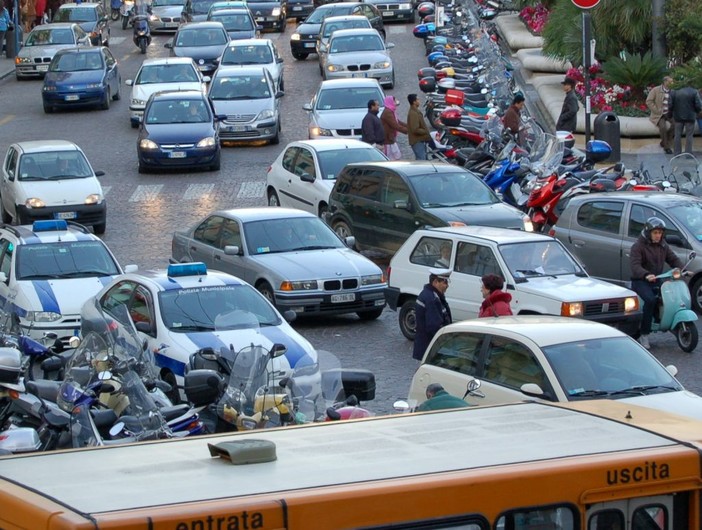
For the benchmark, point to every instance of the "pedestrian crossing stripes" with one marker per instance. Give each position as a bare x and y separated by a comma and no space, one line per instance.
145,193
117,40
106,190
197,191
251,190
192,192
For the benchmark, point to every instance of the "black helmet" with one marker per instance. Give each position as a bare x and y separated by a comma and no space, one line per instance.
652,223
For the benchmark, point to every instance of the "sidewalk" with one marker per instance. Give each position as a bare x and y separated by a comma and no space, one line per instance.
7,67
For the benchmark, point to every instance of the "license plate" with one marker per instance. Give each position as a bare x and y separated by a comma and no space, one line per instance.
297,8
260,19
177,154
388,13
309,45
43,68
171,25
66,215
336,298
72,97
359,75
235,128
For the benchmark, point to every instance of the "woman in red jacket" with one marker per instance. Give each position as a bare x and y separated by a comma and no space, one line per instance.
496,301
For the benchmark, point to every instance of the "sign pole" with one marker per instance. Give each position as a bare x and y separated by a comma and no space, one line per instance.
587,63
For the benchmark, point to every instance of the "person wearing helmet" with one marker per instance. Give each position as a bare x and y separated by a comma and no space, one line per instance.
649,255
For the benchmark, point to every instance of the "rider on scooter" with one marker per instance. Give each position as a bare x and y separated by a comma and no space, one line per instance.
649,255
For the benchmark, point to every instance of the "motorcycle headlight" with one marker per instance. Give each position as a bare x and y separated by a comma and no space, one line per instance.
372,279
148,144
319,131
67,396
34,202
42,316
138,102
266,114
382,65
93,198
206,142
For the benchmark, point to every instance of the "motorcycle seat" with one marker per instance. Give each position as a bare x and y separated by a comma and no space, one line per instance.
43,389
104,418
174,411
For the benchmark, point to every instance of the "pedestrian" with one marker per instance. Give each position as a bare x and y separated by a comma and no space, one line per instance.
496,301
685,104
431,310
371,128
392,126
417,130
28,14
512,120
39,10
568,119
649,254
438,398
5,26
658,102
699,116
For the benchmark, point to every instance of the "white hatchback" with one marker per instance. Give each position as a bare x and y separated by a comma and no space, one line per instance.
304,173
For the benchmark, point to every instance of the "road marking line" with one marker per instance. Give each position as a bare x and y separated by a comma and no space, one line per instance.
117,40
197,191
106,190
396,29
145,193
251,190
7,119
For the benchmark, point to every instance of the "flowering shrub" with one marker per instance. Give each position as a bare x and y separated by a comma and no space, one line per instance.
605,96
535,17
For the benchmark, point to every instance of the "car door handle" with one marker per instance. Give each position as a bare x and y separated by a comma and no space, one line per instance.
578,243
218,257
194,249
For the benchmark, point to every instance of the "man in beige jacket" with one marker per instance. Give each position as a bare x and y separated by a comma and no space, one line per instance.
658,102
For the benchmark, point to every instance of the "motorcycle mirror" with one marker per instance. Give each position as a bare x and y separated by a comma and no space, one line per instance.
278,349
74,342
401,406
116,429
105,375
692,255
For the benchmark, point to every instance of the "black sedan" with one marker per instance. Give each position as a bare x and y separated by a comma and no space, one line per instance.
179,129
203,42
90,16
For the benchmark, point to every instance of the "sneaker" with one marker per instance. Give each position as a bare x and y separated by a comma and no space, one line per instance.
668,151
643,340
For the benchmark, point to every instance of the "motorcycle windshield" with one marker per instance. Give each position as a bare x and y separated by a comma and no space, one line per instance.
685,173
549,156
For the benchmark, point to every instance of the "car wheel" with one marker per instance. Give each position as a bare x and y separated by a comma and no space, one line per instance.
217,164
118,95
696,295
300,56
282,84
323,209
408,319
276,139
266,290
342,229
686,335
141,168
106,103
392,81
370,315
48,109
174,394
133,124
273,199
99,229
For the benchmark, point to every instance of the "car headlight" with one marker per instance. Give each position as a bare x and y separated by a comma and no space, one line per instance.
276,12
154,18
51,88
631,304
42,316
266,114
373,279
94,85
206,142
307,285
25,60
382,65
294,36
336,67
138,102
93,198
34,202
319,131
572,309
528,225
148,144
405,6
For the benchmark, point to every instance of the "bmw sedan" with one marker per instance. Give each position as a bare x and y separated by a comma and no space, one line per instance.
358,53
292,257
81,77
203,42
179,130
42,44
165,15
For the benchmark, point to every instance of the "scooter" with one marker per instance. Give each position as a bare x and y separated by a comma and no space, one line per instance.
115,7
142,32
126,11
673,308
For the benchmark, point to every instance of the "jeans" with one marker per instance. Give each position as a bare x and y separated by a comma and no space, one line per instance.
687,128
647,292
420,150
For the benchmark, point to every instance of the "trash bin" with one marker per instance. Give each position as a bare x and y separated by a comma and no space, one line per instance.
607,129
10,37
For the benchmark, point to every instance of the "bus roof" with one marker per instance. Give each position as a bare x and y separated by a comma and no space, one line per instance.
126,477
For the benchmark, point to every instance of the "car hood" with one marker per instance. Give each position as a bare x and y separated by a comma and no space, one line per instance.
358,57
65,296
308,29
143,92
242,34
74,78
60,192
340,119
571,288
42,51
182,133
684,403
167,11
88,26
498,215
312,264
199,52
242,106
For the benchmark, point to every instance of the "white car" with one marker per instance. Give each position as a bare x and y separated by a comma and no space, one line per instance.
304,173
540,274
48,270
358,53
176,311
339,105
158,75
548,358
51,179
255,52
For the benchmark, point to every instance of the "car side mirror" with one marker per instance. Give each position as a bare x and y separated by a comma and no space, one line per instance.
401,205
206,78
279,60
389,45
350,241
220,117
692,255
533,390
144,327
672,369
279,94
99,173
129,82
232,250
168,45
128,269
307,106
306,177
3,277
289,315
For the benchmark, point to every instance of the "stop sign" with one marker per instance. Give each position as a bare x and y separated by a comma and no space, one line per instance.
585,4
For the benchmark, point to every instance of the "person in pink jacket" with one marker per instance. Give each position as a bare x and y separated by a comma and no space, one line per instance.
496,301
391,126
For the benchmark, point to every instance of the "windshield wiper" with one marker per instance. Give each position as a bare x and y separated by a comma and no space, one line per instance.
41,277
194,327
81,274
57,177
644,389
530,272
312,247
588,393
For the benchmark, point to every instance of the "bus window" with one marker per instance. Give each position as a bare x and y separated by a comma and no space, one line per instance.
607,520
544,518
450,523
651,517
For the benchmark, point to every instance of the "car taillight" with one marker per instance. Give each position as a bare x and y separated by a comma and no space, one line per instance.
387,273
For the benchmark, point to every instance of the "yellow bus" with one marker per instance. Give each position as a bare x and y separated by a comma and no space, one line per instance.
526,466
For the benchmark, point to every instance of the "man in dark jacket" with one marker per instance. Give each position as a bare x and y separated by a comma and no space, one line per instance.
371,127
684,106
438,398
568,120
417,131
431,311
512,120
649,255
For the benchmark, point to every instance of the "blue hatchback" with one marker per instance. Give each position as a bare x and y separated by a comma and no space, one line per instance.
179,129
81,77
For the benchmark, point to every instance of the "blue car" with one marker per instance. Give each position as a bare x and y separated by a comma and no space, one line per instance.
81,77
179,129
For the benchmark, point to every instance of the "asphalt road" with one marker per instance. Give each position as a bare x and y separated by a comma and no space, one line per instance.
144,210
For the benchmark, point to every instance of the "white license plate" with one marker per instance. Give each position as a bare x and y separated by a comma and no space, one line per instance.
43,68
66,215
72,97
297,8
309,45
359,75
260,19
388,13
177,154
171,25
337,298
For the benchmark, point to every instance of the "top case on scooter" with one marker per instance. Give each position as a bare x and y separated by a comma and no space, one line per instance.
454,97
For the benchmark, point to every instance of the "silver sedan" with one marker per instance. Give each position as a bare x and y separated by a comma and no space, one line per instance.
165,15
42,44
358,53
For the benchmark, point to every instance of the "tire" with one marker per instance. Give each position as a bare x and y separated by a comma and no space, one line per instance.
407,319
276,139
216,166
114,16
133,124
696,295
273,199
174,394
322,210
300,56
118,95
266,290
142,45
282,85
391,85
370,315
48,109
99,229
687,336
142,168
342,229
125,22
106,104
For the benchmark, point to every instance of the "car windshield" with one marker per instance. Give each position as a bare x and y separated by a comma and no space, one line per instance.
615,367
233,22
360,43
289,235
65,259
167,73
240,87
195,38
187,310
318,15
76,62
249,54
201,7
538,258
54,165
449,190
328,29
690,215
76,14
332,162
46,37
177,111
162,3
347,98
